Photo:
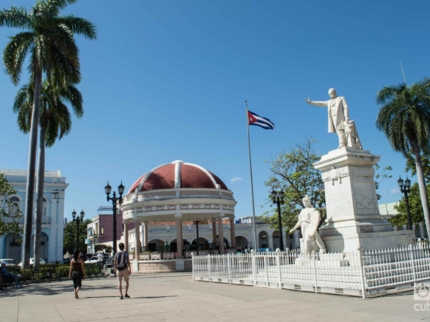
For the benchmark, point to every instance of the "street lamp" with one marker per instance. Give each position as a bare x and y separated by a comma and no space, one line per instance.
78,220
406,188
278,198
114,200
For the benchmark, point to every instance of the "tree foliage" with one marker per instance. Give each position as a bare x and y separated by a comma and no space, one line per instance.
294,174
48,39
9,212
415,207
425,163
404,118
381,174
70,232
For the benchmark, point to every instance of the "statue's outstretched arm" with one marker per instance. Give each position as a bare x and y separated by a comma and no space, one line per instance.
317,103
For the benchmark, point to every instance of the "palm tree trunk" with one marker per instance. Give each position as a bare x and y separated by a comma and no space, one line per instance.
29,197
40,188
423,188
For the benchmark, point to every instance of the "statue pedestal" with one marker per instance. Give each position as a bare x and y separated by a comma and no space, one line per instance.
353,218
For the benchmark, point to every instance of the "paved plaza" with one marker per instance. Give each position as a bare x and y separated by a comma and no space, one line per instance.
175,297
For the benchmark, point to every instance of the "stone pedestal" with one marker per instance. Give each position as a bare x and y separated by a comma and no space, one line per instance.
353,218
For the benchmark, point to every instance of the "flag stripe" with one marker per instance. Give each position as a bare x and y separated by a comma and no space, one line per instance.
264,122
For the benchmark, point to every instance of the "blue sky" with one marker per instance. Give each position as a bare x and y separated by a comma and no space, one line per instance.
167,80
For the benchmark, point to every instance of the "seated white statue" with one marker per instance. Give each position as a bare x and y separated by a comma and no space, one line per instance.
309,219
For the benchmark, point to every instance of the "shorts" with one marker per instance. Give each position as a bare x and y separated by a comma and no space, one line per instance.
124,273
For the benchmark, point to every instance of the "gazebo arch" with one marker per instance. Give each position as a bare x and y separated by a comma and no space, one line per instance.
178,192
263,239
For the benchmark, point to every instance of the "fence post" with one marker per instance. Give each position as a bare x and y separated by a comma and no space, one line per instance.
254,268
362,272
266,269
209,267
228,267
412,262
278,264
193,266
313,254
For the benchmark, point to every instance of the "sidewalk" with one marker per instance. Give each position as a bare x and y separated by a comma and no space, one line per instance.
175,297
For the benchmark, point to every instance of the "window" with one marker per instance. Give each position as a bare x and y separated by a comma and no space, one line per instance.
44,208
13,205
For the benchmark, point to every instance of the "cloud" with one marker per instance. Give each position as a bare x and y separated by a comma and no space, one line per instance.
395,190
235,179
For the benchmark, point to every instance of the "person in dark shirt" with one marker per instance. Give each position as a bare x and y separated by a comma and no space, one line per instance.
5,274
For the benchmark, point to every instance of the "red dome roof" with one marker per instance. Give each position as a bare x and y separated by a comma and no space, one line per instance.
177,175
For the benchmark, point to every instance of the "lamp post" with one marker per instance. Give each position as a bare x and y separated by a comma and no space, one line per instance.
405,189
114,200
278,198
78,220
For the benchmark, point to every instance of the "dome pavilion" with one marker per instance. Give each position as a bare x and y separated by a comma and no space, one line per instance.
177,192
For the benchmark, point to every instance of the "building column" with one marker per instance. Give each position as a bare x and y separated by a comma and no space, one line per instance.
221,235
270,240
126,236
232,232
179,241
137,240
145,236
213,221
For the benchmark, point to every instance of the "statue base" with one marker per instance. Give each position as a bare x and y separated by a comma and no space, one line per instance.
353,219
323,260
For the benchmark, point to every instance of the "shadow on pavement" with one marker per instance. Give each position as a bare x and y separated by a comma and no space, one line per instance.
50,289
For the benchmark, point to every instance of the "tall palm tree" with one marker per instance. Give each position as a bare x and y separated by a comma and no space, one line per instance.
55,122
49,38
405,119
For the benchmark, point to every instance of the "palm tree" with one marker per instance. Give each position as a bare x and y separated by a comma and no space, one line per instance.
405,119
49,38
55,122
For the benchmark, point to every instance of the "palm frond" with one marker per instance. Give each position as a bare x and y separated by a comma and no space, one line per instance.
15,52
79,26
15,17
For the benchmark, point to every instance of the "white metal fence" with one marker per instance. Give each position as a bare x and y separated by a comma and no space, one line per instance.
361,273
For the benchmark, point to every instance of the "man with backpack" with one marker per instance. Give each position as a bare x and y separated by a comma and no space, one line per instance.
122,269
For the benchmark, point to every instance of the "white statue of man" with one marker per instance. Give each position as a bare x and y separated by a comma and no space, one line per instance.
309,219
338,120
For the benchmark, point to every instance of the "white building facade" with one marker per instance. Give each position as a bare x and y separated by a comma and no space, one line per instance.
52,219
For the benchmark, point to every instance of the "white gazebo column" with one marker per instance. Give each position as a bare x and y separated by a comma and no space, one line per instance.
213,232
137,239
145,236
126,236
221,235
179,241
232,232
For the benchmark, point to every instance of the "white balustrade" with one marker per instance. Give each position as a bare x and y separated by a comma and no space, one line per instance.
360,273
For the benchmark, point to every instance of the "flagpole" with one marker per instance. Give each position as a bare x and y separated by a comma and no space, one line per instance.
252,185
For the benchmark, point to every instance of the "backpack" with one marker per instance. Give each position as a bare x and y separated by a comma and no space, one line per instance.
121,261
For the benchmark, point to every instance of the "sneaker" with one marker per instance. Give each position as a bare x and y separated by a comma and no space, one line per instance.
127,296
121,298
18,286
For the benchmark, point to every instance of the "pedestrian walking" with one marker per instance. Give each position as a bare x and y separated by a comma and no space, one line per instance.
77,272
122,269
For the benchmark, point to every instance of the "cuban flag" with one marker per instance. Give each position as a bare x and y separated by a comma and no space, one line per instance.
265,123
